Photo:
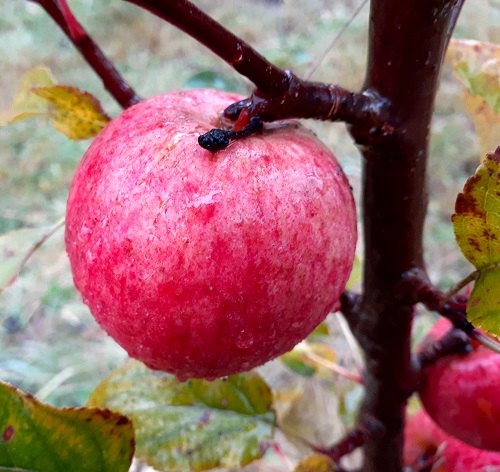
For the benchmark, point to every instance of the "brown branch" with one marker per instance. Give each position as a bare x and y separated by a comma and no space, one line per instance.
327,102
111,78
245,60
368,431
279,94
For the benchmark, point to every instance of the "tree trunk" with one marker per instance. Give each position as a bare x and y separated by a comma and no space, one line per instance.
408,40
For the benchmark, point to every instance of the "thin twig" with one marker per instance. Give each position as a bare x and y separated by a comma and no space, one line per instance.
57,226
351,340
485,340
455,289
104,68
332,366
340,32
353,439
468,279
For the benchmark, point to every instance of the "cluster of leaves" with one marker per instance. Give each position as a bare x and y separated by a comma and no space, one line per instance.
197,425
476,221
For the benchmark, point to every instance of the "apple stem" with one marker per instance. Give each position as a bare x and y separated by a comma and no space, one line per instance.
114,83
217,139
486,341
455,341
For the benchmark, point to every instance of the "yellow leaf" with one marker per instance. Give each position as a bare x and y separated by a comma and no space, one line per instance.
315,463
74,112
476,221
486,121
477,65
26,103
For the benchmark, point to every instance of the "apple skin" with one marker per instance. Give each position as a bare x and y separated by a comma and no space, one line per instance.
207,264
461,392
425,440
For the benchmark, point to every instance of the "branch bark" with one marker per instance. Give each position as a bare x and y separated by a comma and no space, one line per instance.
407,45
104,68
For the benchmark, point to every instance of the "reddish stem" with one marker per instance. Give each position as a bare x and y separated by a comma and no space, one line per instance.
353,439
454,341
76,30
104,68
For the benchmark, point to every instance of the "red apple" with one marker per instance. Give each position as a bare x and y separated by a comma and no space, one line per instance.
425,441
208,264
461,392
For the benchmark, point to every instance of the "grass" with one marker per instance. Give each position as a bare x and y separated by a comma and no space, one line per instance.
49,343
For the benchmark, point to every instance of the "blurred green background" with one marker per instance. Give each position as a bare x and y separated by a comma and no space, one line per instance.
49,343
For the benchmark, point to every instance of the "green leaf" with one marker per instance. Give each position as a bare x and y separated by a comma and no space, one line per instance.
75,113
38,437
477,230
16,247
483,309
26,103
193,425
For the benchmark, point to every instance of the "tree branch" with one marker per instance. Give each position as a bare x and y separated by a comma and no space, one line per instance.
279,94
368,431
245,60
113,82
454,308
